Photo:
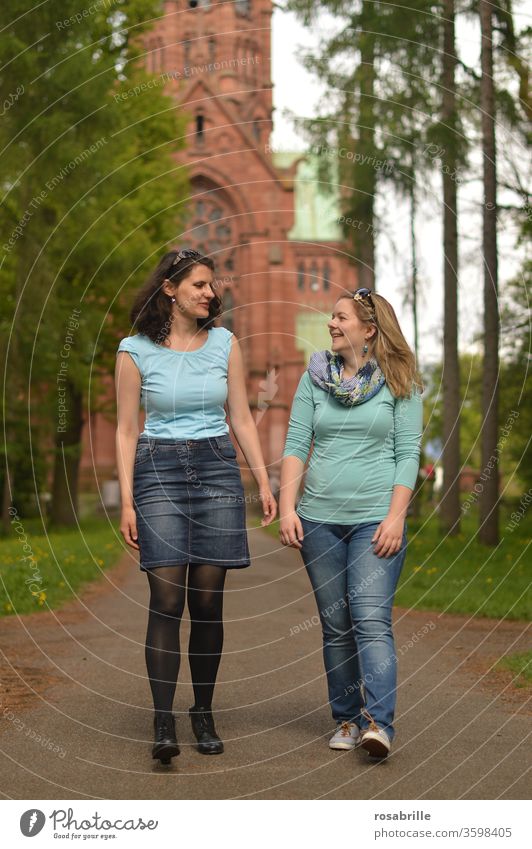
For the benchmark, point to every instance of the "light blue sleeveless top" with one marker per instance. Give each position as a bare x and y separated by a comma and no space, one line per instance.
183,392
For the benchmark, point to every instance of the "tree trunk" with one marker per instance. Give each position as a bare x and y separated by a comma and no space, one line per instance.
450,500
362,174
413,248
366,187
7,497
67,459
489,497
416,501
14,408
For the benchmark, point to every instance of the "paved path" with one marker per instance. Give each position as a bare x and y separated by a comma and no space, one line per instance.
75,680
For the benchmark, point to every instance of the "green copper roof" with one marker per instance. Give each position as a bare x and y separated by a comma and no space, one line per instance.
317,207
312,333
284,158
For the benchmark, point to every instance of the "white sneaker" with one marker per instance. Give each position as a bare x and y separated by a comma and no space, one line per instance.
376,742
346,736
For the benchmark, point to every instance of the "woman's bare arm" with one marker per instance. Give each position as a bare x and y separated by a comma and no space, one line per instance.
127,386
245,429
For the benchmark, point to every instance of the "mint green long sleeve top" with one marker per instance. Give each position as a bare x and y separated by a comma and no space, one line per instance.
358,455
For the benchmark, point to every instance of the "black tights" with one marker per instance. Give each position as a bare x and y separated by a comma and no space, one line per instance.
167,601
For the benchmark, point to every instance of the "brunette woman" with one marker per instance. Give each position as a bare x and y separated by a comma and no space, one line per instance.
361,404
183,504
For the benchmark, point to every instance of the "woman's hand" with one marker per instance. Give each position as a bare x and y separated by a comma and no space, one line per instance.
269,505
388,537
291,530
128,526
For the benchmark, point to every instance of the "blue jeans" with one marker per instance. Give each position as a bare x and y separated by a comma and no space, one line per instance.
354,591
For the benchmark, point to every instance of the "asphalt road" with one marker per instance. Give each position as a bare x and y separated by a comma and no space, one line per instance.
76,715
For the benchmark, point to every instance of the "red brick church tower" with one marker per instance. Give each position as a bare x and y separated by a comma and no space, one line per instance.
262,215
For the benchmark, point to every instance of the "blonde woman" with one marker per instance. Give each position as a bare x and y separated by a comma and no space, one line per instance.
361,404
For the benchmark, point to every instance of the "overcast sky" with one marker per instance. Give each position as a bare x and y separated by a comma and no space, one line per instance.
297,91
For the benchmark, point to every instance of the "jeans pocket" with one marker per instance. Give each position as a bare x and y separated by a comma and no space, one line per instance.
144,451
224,448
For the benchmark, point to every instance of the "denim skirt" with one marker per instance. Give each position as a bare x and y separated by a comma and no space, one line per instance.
189,503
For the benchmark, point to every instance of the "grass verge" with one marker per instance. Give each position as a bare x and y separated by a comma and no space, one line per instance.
520,665
456,574
40,571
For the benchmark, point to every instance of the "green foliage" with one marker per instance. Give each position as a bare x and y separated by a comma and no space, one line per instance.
380,69
470,415
91,196
28,466
515,386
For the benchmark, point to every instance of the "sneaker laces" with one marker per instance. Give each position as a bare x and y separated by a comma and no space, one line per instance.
372,724
345,729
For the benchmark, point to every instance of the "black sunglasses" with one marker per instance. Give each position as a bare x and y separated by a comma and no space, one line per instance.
362,294
186,253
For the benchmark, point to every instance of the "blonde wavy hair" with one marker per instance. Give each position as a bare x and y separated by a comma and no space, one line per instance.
388,345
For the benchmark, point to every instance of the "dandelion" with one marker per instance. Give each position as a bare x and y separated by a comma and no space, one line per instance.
489,580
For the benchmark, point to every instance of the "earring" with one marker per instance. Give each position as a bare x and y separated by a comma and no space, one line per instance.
172,299
364,350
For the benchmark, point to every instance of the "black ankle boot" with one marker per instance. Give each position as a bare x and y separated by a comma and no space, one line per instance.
203,727
165,744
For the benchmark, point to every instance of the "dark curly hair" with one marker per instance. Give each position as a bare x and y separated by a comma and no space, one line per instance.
151,313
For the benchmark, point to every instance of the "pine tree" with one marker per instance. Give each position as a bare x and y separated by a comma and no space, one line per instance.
378,52
489,499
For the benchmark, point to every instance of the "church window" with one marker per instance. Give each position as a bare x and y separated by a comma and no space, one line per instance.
314,285
200,126
326,276
154,58
211,228
301,276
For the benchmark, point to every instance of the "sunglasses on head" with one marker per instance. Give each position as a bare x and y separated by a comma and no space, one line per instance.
186,253
364,294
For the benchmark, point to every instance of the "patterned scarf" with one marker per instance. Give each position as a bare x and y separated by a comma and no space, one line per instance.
326,370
